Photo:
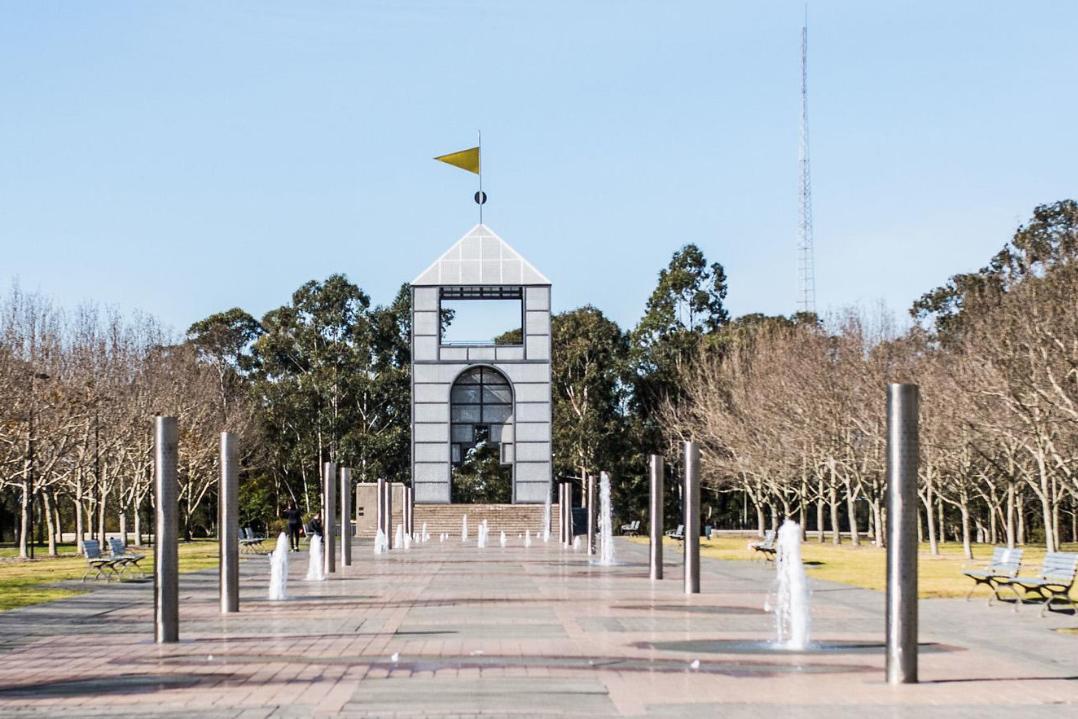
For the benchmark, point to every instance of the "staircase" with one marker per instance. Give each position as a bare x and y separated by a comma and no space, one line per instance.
513,519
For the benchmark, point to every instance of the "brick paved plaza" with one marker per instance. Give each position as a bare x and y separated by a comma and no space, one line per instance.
451,630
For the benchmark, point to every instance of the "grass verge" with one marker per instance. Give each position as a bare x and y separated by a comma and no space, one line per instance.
865,566
26,582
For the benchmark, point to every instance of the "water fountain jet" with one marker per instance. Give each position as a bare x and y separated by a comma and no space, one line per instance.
278,588
315,560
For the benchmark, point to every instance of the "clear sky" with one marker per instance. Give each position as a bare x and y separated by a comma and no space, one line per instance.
187,157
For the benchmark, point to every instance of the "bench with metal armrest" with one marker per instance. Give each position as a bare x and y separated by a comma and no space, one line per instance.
678,534
1054,582
766,546
103,567
1004,565
124,558
631,529
249,541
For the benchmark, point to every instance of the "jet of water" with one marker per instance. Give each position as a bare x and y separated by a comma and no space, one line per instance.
527,538
278,588
464,528
606,522
502,538
424,535
398,538
793,617
380,542
315,570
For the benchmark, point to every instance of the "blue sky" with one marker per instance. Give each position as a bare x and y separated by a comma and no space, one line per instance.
183,158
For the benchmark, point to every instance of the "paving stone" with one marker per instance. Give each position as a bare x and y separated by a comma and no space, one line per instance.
445,630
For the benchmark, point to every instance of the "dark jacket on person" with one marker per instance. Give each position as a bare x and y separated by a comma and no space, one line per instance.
293,516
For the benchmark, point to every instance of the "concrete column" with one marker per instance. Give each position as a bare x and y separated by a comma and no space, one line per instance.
691,504
228,523
329,517
166,558
346,517
902,458
655,469
590,500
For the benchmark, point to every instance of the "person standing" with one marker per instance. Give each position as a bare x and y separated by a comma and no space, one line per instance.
295,522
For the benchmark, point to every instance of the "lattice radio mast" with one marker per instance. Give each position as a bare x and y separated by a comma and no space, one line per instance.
806,263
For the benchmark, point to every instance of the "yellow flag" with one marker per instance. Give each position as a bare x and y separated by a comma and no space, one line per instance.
465,159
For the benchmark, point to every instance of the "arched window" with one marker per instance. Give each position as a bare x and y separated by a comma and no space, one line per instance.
481,435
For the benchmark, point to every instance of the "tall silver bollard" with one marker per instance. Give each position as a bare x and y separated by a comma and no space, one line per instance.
166,605
562,532
591,514
329,517
902,456
228,523
346,517
389,514
381,519
655,468
409,509
691,504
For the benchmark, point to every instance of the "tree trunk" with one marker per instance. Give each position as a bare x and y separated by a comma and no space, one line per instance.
967,550
836,535
942,520
820,515
123,526
877,513
24,520
50,524
930,522
1011,536
138,519
102,501
851,509
1020,511
79,526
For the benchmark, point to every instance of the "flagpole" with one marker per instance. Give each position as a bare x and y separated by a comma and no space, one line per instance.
480,173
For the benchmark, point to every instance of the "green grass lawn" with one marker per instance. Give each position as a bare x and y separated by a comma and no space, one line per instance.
865,566
24,582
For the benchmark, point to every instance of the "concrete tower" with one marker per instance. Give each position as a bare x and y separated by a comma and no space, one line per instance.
463,393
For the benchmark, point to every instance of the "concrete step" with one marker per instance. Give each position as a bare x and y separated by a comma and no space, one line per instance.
513,519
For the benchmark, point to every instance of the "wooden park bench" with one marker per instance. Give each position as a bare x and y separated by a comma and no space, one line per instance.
1004,565
766,546
631,529
103,567
1054,583
125,560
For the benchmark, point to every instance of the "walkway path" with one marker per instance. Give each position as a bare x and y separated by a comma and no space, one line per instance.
447,630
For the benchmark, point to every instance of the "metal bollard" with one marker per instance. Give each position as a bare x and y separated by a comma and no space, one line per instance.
655,468
389,514
228,524
381,516
561,512
591,513
329,517
166,604
409,510
691,505
902,458
346,517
